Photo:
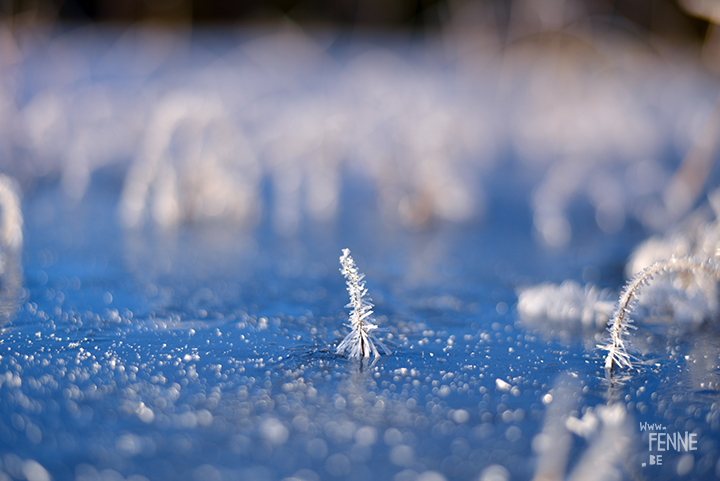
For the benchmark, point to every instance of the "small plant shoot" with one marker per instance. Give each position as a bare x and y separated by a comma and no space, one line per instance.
361,342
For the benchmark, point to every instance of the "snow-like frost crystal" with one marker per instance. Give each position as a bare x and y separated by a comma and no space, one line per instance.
361,342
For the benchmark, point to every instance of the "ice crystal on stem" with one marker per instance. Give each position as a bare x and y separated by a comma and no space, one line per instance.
361,342
621,322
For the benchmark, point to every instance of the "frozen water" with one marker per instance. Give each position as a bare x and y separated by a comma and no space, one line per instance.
207,355
179,304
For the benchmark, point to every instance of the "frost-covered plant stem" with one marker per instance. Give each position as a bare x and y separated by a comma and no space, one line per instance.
360,343
621,322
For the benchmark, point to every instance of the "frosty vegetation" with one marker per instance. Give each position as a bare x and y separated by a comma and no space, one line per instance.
617,350
568,305
361,342
11,242
687,299
697,300
426,148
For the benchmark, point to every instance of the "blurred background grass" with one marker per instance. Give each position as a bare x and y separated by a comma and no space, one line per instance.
263,109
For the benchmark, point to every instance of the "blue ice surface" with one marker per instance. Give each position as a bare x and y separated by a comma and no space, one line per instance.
208,352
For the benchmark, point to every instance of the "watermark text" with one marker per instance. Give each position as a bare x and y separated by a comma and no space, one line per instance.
659,440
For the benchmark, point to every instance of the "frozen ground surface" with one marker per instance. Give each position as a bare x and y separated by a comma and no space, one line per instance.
204,349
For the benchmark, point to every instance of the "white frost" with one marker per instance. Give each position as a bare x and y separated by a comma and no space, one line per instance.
361,342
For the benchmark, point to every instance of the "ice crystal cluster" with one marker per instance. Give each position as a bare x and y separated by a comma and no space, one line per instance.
361,343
